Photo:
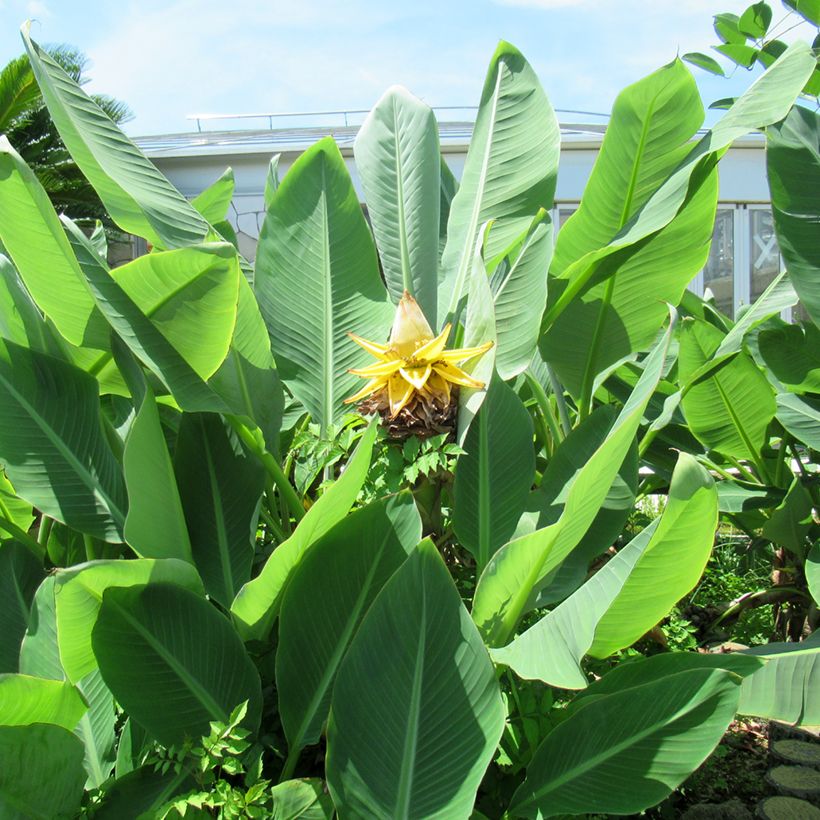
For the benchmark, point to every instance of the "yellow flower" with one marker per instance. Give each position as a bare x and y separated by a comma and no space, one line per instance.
414,364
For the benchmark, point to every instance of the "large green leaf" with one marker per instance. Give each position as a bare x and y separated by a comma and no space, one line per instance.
214,201
397,157
40,656
793,164
509,173
25,700
167,285
138,197
520,296
172,661
13,509
787,688
317,279
301,800
32,235
40,652
221,487
495,473
800,418
141,793
257,604
417,710
625,752
672,563
767,100
812,570
778,296
20,319
272,180
510,584
791,520
479,328
647,137
155,524
41,773
792,353
730,410
20,573
191,297
79,591
326,601
247,380
630,594
546,504
53,446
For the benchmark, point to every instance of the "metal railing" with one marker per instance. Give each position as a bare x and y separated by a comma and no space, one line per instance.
346,114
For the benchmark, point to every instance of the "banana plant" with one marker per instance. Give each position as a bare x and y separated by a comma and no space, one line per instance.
183,630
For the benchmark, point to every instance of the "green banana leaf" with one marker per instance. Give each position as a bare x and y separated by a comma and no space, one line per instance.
630,594
730,410
509,174
214,201
41,772
221,487
793,165
323,605
627,751
31,233
53,446
136,195
20,574
494,475
417,711
510,584
257,604
520,298
647,138
397,157
79,591
800,418
172,661
317,279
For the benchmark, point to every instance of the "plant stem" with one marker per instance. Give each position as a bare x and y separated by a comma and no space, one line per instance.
23,537
543,402
558,392
90,551
271,465
290,764
43,533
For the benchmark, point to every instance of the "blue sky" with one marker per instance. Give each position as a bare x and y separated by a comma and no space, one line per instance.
170,58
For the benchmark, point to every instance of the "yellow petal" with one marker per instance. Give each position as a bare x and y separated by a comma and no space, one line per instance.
437,387
410,328
453,356
417,376
456,375
374,348
399,392
379,369
371,387
433,349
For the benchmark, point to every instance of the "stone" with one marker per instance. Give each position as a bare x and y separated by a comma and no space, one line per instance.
730,810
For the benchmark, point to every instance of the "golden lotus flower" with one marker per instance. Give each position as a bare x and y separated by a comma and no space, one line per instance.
414,371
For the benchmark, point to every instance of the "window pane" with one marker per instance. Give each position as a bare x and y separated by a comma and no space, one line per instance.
564,213
764,255
718,274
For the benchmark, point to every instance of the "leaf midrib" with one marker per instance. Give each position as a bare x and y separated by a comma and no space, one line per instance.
338,652
189,681
478,200
602,756
51,434
408,761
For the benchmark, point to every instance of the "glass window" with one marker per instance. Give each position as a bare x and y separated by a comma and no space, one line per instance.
718,274
564,213
764,255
